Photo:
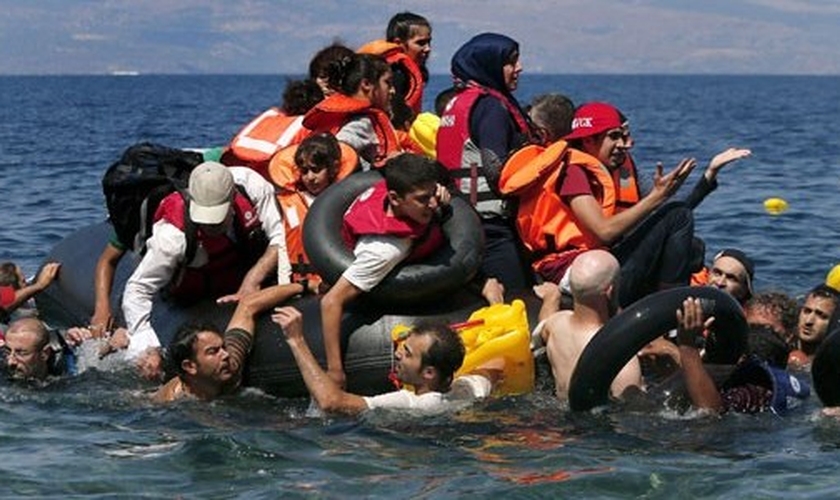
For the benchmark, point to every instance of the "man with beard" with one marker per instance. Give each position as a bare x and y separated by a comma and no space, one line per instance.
209,364
426,359
593,278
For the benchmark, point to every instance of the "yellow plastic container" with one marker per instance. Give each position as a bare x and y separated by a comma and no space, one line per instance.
833,278
503,332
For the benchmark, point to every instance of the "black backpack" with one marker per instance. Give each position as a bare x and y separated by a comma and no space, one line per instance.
135,185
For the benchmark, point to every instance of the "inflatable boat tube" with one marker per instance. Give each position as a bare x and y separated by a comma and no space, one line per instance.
825,369
366,339
627,333
443,273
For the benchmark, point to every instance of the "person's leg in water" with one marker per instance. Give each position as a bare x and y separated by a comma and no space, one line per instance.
657,254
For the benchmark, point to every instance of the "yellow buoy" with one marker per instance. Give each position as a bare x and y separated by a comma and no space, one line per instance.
775,206
832,279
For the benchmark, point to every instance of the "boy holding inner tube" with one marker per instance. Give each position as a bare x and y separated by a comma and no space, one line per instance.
394,220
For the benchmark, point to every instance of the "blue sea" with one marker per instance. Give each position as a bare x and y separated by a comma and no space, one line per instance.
96,435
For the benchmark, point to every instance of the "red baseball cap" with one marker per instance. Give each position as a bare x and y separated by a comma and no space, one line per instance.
593,118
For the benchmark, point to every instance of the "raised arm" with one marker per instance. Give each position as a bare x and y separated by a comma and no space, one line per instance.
327,393
701,388
609,229
45,278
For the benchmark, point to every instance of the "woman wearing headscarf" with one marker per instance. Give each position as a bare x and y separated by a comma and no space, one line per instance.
481,126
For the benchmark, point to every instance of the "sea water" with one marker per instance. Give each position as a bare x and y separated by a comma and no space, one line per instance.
96,435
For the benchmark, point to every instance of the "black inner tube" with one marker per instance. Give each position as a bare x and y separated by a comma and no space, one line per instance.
444,272
628,332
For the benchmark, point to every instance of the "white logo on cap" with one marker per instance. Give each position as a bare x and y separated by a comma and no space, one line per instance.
582,122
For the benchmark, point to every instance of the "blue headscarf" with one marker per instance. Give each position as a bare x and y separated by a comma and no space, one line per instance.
481,60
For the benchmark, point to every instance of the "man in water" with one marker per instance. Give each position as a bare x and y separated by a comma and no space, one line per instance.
733,272
593,278
427,360
209,363
29,354
814,323
758,383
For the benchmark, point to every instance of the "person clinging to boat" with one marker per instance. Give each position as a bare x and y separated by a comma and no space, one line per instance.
220,239
31,353
398,219
207,363
594,277
15,291
426,359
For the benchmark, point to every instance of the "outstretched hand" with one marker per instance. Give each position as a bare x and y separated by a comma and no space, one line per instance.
665,185
724,158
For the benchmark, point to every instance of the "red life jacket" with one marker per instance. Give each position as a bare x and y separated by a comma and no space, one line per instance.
453,140
257,142
227,261
336,110
368,216
396,56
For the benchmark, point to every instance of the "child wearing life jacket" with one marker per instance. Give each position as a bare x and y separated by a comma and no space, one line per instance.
274,129
393,221
302,172
358,115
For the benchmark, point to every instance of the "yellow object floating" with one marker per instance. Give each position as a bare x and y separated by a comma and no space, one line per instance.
775,206
423,132
500,330
833,278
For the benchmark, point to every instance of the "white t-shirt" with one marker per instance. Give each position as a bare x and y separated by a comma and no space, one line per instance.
375,257
465,390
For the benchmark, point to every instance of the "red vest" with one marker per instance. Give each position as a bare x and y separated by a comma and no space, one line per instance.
336,110
453,140
227,261
367,216
257,142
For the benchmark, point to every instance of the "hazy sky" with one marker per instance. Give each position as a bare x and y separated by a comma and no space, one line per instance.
279,36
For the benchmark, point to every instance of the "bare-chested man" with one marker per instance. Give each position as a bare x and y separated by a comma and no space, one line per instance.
594,283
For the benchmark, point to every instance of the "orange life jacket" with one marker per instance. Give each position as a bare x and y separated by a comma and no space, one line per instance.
294,204
395,55
336,110
545,223
257,142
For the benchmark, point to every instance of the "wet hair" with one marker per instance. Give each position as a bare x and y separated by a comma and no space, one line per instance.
446,352
401,25
322,63
182,346
408,171
778,304
825,292
300,96
443,98
553,113
321,150
766,344
350,73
